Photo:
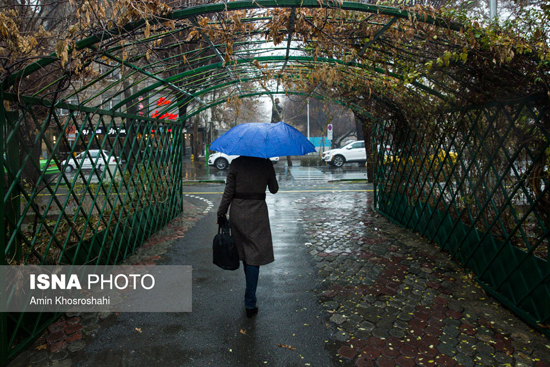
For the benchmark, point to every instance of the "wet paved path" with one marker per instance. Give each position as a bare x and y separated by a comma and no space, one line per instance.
289,330
347,288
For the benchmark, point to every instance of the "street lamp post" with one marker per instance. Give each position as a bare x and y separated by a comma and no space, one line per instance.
492,9
307,99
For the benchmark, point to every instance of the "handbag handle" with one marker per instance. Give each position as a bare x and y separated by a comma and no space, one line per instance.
226,228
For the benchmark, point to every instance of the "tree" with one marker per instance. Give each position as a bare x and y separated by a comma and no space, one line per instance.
321,113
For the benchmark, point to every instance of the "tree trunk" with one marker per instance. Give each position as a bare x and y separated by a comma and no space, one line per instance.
196,149
359,127
365,127
131,148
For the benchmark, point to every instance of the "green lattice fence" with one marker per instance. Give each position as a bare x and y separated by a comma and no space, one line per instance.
476,183
65,204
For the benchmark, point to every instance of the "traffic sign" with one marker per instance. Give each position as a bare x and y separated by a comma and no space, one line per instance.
329,131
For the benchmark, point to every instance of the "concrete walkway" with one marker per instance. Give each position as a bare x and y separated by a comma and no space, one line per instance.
347,288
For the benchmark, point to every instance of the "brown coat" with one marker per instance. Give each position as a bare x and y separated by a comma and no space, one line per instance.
249,218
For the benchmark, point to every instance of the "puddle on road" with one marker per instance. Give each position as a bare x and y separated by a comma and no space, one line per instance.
285,173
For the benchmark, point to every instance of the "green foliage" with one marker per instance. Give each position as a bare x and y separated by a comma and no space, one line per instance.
311,161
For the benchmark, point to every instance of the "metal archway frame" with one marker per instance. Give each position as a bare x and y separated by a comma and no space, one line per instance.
106,214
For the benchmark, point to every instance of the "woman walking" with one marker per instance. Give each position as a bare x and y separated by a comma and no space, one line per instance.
245,187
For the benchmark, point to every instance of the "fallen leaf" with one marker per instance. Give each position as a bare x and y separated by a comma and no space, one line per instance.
243,331
286,346
41,347
138,330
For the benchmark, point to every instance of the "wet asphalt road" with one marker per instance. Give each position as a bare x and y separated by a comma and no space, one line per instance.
217,332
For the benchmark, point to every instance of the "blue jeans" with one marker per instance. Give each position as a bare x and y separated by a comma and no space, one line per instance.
251,273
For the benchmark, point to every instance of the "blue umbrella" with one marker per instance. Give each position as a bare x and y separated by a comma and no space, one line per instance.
263,140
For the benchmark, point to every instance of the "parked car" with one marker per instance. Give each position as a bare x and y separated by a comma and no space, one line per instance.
221,160
352,152
94,158
52,168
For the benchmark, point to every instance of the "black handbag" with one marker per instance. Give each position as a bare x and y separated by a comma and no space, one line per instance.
224,250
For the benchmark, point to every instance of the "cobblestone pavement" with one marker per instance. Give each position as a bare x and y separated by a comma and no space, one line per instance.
66,338
392,298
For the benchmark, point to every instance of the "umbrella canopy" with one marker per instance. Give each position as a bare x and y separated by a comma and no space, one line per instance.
263,140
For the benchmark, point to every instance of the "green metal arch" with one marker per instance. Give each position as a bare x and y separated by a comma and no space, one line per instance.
266,59
237,5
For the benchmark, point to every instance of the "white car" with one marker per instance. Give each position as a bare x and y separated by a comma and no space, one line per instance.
88,160
352,152
221,160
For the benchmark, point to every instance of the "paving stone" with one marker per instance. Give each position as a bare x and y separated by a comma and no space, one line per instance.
73,337
357,343
64,363
362,361
390,352
55,337
349,326
447,349
355,318
57,326
484,348
58,356
39,357
76,346
433,331
405,316
380,333
384,362
370,352
376,342
59,346
466,349
468,329
522,347
388,317
464,360
371,317
444,360
347,352
22,360
341,336
73,328
385,325
484,359
451,331
425,361
502,358
522,359
468,340
405,361
91,328
398,333
427,351
430,341
452,322
331,305
482,330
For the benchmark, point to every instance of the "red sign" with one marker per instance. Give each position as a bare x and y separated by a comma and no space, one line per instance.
169,116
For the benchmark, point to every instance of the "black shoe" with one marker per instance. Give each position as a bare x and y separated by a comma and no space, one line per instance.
251,312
